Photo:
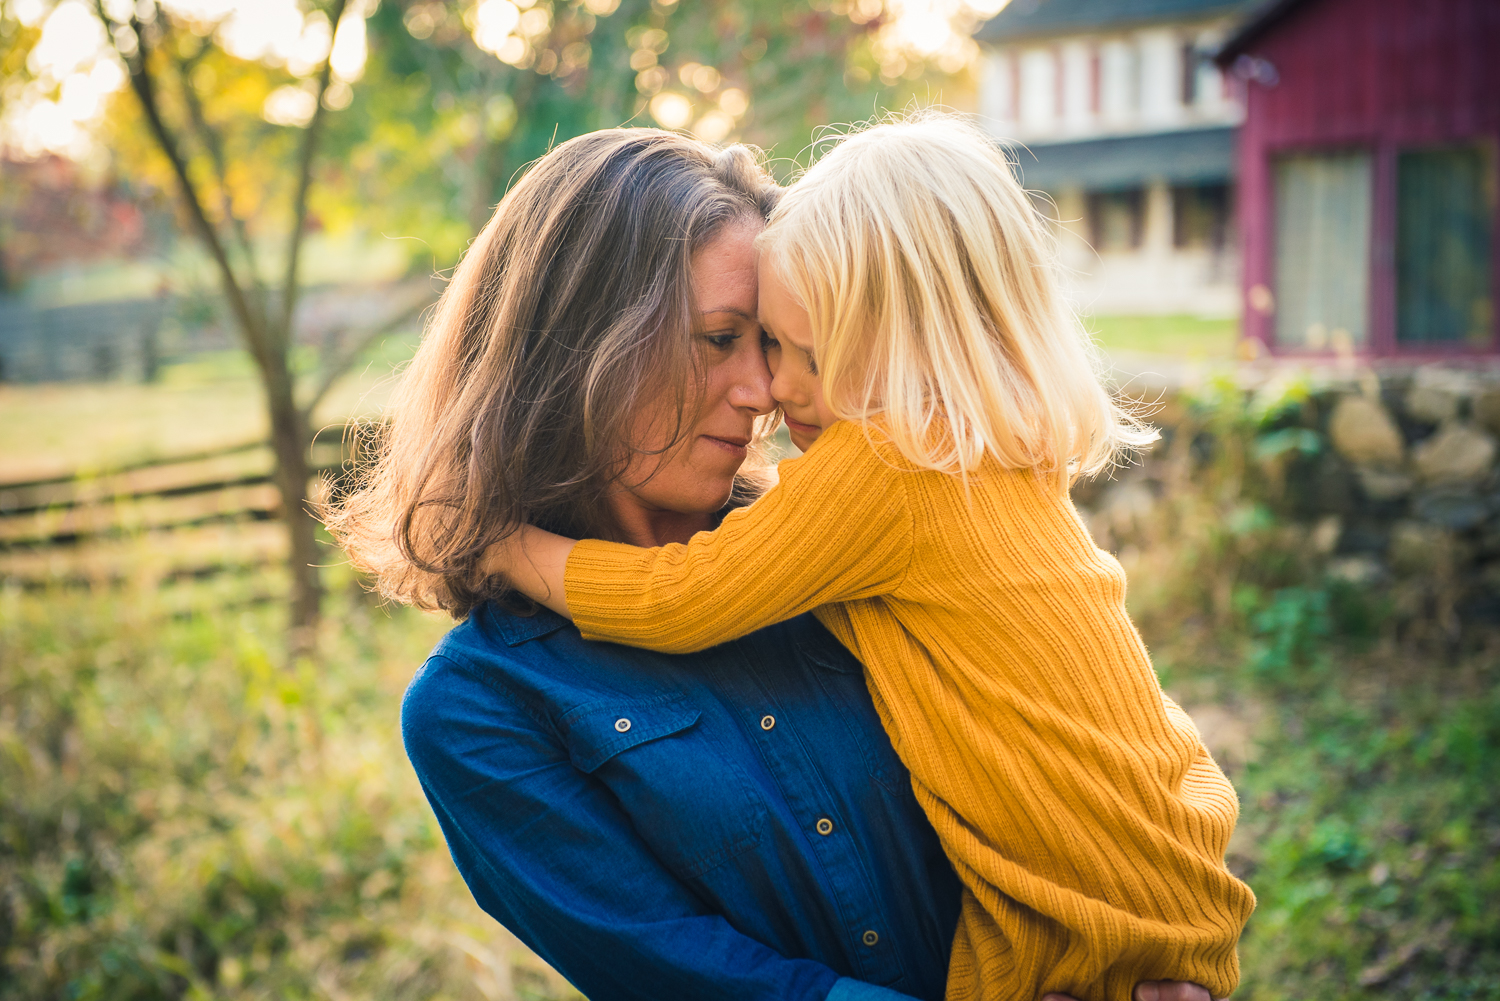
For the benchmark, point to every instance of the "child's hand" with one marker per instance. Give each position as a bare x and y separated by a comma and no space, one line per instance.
1156,990
533,562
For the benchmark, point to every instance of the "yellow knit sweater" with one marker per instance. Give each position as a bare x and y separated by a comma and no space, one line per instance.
1076,802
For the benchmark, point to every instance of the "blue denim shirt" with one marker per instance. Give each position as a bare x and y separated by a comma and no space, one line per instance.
732,824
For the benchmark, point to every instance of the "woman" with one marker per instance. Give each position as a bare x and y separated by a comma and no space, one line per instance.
732,824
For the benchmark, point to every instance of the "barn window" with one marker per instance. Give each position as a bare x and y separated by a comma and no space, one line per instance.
1323,250
1115,219
1445,212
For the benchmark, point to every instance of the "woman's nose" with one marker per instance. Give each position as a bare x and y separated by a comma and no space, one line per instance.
752,384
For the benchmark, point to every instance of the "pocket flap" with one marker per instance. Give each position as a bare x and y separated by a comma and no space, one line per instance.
597,733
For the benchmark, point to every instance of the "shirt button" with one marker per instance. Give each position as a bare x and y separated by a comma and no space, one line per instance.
824,826
622,724
869,938
766,722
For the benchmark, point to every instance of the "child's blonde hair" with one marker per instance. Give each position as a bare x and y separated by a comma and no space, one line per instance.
929,278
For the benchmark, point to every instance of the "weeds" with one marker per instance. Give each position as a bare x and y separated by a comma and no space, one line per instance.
1370,819
182,817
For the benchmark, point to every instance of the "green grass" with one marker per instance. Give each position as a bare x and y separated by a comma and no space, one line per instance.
1370,819
1189,338
182,815
327,258
1371,837
197,404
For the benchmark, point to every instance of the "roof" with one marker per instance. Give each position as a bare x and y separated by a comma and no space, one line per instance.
1191,156
1263,17
1038,18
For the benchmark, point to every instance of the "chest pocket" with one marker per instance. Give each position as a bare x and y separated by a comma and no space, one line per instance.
687,799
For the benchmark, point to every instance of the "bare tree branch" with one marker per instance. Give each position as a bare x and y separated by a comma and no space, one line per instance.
304,182
209,138
335,367
144,86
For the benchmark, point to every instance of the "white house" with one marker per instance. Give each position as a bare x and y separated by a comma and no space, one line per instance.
1115,110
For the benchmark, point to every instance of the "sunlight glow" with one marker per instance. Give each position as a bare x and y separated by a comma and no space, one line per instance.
28,12
671,111
74,73
713,126
76,70
493,22
918,30
290,105
349,50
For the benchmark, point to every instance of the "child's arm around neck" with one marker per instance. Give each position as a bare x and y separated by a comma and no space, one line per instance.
836,528
534,562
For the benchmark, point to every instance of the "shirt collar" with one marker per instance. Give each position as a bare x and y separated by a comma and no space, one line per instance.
517,629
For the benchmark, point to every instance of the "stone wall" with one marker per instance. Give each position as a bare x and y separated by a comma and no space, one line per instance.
1393,473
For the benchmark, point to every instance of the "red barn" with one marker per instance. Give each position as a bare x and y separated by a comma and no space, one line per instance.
1368,176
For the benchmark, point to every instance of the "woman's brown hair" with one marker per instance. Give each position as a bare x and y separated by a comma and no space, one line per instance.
573,304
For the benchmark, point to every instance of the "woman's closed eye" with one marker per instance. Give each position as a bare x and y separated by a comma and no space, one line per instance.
722,340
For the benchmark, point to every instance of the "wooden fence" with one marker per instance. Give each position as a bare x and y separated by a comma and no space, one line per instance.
190,516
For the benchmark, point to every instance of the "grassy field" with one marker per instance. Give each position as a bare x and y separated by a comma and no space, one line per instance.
351,257
198,404
1187,338
1362,747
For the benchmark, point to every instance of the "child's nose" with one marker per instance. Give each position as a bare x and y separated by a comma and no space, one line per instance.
783,388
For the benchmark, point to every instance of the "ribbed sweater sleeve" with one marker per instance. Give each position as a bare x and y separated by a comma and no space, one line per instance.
836,528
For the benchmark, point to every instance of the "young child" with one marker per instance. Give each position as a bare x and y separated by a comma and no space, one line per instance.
945,397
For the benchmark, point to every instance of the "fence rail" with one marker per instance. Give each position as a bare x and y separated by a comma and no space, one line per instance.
202,514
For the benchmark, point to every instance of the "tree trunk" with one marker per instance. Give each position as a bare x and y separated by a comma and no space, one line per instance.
268,337
291,438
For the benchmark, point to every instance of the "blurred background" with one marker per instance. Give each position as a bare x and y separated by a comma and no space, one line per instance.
221,222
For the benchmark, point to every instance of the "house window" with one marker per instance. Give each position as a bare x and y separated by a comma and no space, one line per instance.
1323,251
1059,83
1445,211
1190,63
1115,219
1200,216
1094,80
